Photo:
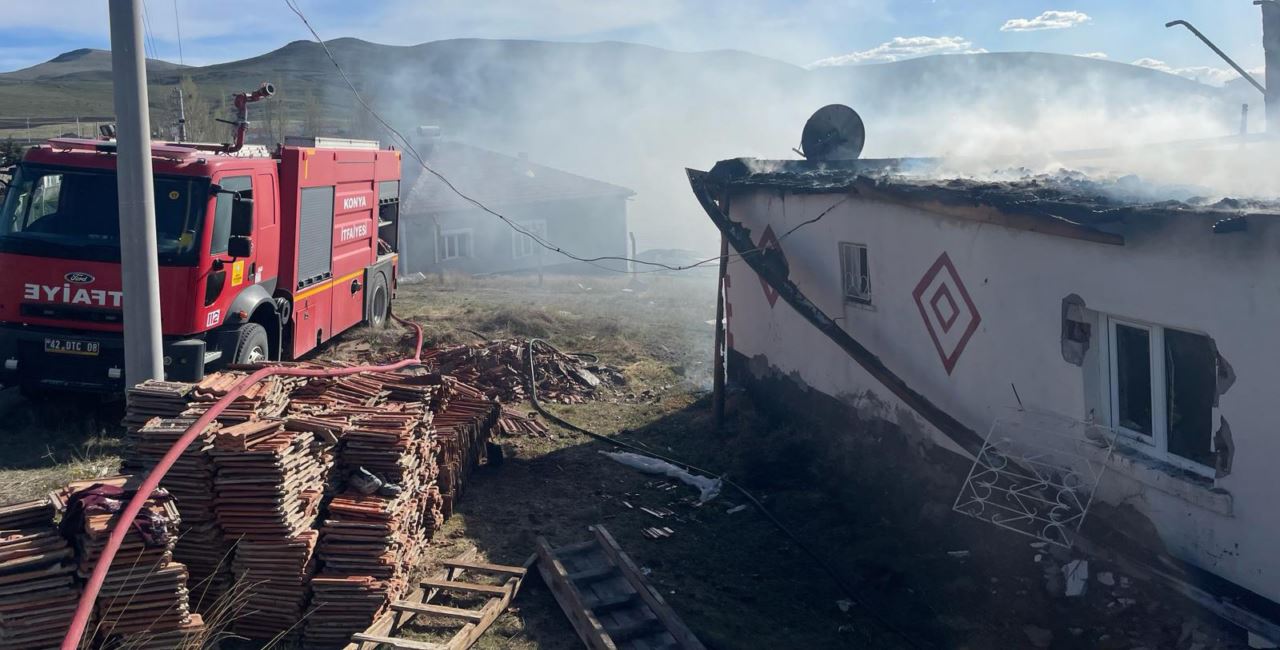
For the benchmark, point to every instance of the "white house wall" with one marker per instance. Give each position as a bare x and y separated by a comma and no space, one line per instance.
1173,274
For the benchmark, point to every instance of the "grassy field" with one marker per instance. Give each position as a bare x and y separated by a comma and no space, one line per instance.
923,576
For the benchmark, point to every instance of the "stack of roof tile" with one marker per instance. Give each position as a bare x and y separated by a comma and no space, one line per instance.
462,429
266,399
268,488
38,590
369,543
501,369
144,601
155,399
201,545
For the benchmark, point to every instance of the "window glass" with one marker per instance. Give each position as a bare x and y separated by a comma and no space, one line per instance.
1133,378
222,211
73,214
1190,371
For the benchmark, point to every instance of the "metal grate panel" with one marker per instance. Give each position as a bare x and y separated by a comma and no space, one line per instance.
315,233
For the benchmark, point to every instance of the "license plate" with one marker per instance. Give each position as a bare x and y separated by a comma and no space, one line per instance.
72,346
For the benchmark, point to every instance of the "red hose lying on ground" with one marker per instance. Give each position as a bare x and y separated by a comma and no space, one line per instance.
85,607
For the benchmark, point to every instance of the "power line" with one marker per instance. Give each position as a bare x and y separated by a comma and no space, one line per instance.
150,42
408,147
177,21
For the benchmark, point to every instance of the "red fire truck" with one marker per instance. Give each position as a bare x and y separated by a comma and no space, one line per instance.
263,254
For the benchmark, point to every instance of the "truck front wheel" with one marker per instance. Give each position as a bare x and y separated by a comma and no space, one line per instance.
251,344
379,302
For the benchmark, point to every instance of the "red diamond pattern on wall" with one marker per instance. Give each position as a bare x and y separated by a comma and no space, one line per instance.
951,323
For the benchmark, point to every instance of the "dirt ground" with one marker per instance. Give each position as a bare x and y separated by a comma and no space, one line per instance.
921,575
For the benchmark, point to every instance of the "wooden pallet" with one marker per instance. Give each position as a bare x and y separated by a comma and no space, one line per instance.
475,622
607,598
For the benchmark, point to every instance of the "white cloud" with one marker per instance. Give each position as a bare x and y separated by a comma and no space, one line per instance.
1048,20
1202,73
903,47
1094,55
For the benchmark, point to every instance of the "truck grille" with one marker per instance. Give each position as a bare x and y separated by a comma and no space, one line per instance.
65,312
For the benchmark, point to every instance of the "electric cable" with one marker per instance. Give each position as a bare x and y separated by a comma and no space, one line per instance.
177,22
547,244
835,576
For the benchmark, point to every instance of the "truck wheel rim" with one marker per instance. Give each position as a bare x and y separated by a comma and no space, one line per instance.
379,306
256,354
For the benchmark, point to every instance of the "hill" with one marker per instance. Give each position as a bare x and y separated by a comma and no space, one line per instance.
636,115
84,61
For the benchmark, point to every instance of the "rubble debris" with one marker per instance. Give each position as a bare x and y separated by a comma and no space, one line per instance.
708,488
1076,575
607,598
512,423
37,577
657,533
501,369
1038,636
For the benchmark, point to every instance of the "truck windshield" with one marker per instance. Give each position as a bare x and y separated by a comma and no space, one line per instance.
74,214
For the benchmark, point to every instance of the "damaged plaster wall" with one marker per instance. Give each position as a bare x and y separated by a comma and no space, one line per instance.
1174,273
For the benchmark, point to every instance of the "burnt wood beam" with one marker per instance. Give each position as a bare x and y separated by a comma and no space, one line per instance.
771,266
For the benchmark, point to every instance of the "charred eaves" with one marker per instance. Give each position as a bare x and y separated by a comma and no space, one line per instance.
1065,204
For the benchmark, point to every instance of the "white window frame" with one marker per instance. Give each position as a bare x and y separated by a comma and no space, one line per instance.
849,255
460,235
1157,444
523,245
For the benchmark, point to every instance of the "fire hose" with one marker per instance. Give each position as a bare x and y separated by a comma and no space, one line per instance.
84,608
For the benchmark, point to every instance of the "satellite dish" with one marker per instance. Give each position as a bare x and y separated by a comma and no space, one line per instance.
834,132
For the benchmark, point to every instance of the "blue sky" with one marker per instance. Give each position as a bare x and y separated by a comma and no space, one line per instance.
798,31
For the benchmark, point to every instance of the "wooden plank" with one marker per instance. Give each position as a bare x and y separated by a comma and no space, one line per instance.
651,597
469,615
593,575
637,629
575,548
391,621
398,644
468,587
471,632
557,579
482,567
618,602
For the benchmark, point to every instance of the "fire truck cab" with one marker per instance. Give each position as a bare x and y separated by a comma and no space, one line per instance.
263,255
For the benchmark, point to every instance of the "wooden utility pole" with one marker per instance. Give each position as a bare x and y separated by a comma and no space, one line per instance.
717,369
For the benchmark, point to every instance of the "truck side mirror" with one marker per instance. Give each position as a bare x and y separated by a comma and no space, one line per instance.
241,216
240,246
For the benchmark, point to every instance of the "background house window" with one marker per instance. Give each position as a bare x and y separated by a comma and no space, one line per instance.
1163,383
855,272
523,245
455,244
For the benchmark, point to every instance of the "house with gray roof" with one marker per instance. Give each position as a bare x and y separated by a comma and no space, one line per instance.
443,231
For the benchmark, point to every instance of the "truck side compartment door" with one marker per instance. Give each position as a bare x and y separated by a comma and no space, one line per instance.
312,297
354,244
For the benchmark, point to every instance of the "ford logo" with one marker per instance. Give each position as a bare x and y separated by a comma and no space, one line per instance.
79,277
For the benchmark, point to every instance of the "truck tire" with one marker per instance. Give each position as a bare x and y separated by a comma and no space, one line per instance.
379,302
251,344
